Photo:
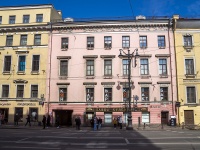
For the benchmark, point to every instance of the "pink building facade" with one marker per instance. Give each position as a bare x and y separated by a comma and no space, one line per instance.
87,77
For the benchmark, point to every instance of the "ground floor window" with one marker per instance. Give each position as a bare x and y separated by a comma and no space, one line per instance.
33,114
19,111
108,117
145,117
125,118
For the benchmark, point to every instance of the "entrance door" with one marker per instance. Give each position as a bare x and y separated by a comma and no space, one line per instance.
164,117
65,117
4,112
189,117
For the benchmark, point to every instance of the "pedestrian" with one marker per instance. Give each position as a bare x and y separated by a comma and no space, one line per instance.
95,123
78,123
99,122
120,122
115,123
58,121
28,120
44,120
48,121
92,122
0,119
16,119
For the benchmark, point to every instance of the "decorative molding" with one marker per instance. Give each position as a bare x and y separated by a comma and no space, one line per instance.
107,83
64,57
162,55
107,56
89,83
90,56
20,81
62,83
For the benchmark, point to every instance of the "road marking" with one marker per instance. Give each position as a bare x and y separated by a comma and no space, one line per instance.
19,147
127,141
23,139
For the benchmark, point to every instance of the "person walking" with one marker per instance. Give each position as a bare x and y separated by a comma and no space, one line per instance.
16,119
44,120
120,122
95,123
28,120
0,118
58,121
48,121
115,123
78,123
99,122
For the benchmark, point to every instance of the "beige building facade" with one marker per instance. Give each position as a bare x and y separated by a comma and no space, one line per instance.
23,54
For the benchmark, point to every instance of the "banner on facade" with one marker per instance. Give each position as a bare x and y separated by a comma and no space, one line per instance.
139,109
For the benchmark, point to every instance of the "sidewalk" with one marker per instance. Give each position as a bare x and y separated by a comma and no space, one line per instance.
136,128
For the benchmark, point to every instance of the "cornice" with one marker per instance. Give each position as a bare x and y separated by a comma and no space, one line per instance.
23,28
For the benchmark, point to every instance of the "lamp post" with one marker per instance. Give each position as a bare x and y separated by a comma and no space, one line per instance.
129,56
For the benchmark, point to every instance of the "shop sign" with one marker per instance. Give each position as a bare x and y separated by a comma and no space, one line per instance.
155,106
26,104
5,104
115,109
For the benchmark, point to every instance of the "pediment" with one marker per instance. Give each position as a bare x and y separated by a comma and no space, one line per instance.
20,81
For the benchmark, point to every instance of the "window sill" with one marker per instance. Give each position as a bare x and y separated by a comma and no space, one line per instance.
90,48
107,48
108,77
64,49
190,75
191,104
161,47
90,77
188,46
35,72
21,72
145,76
163,76
7,73
144,47
63,77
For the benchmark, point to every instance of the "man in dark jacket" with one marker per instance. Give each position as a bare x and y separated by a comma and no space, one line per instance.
78,123
28,120
44,120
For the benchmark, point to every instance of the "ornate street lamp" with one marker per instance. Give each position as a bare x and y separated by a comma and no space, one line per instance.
129,56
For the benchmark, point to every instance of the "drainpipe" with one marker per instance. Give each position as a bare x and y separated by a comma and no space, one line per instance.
49,79
174,28
170,57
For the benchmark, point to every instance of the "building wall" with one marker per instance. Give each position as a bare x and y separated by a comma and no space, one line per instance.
76,94
28,104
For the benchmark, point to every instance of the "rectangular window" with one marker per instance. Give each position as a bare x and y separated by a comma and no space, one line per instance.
107,42
90,42
19,111
20,91
145,117
37,39
107,94
161,41
26,18
89,94
125,67
162,67
11,19
0,19
39,18
187,41
144,67
164,93
125,41
34,91
5,91
145,93
189,66
143,41
36,63
90,68
7,63
62,94
63,67
107,118
64,43
191,95
23,41
107,67
9,40
22,63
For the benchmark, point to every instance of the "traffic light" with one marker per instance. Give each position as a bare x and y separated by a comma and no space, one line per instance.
124,94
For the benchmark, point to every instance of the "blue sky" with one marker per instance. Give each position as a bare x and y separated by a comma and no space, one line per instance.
116,8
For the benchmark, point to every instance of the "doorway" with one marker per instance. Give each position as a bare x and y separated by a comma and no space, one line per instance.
65,117
165,117
4,112
189,117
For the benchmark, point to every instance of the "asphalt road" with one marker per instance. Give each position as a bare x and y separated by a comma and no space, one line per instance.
104,139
